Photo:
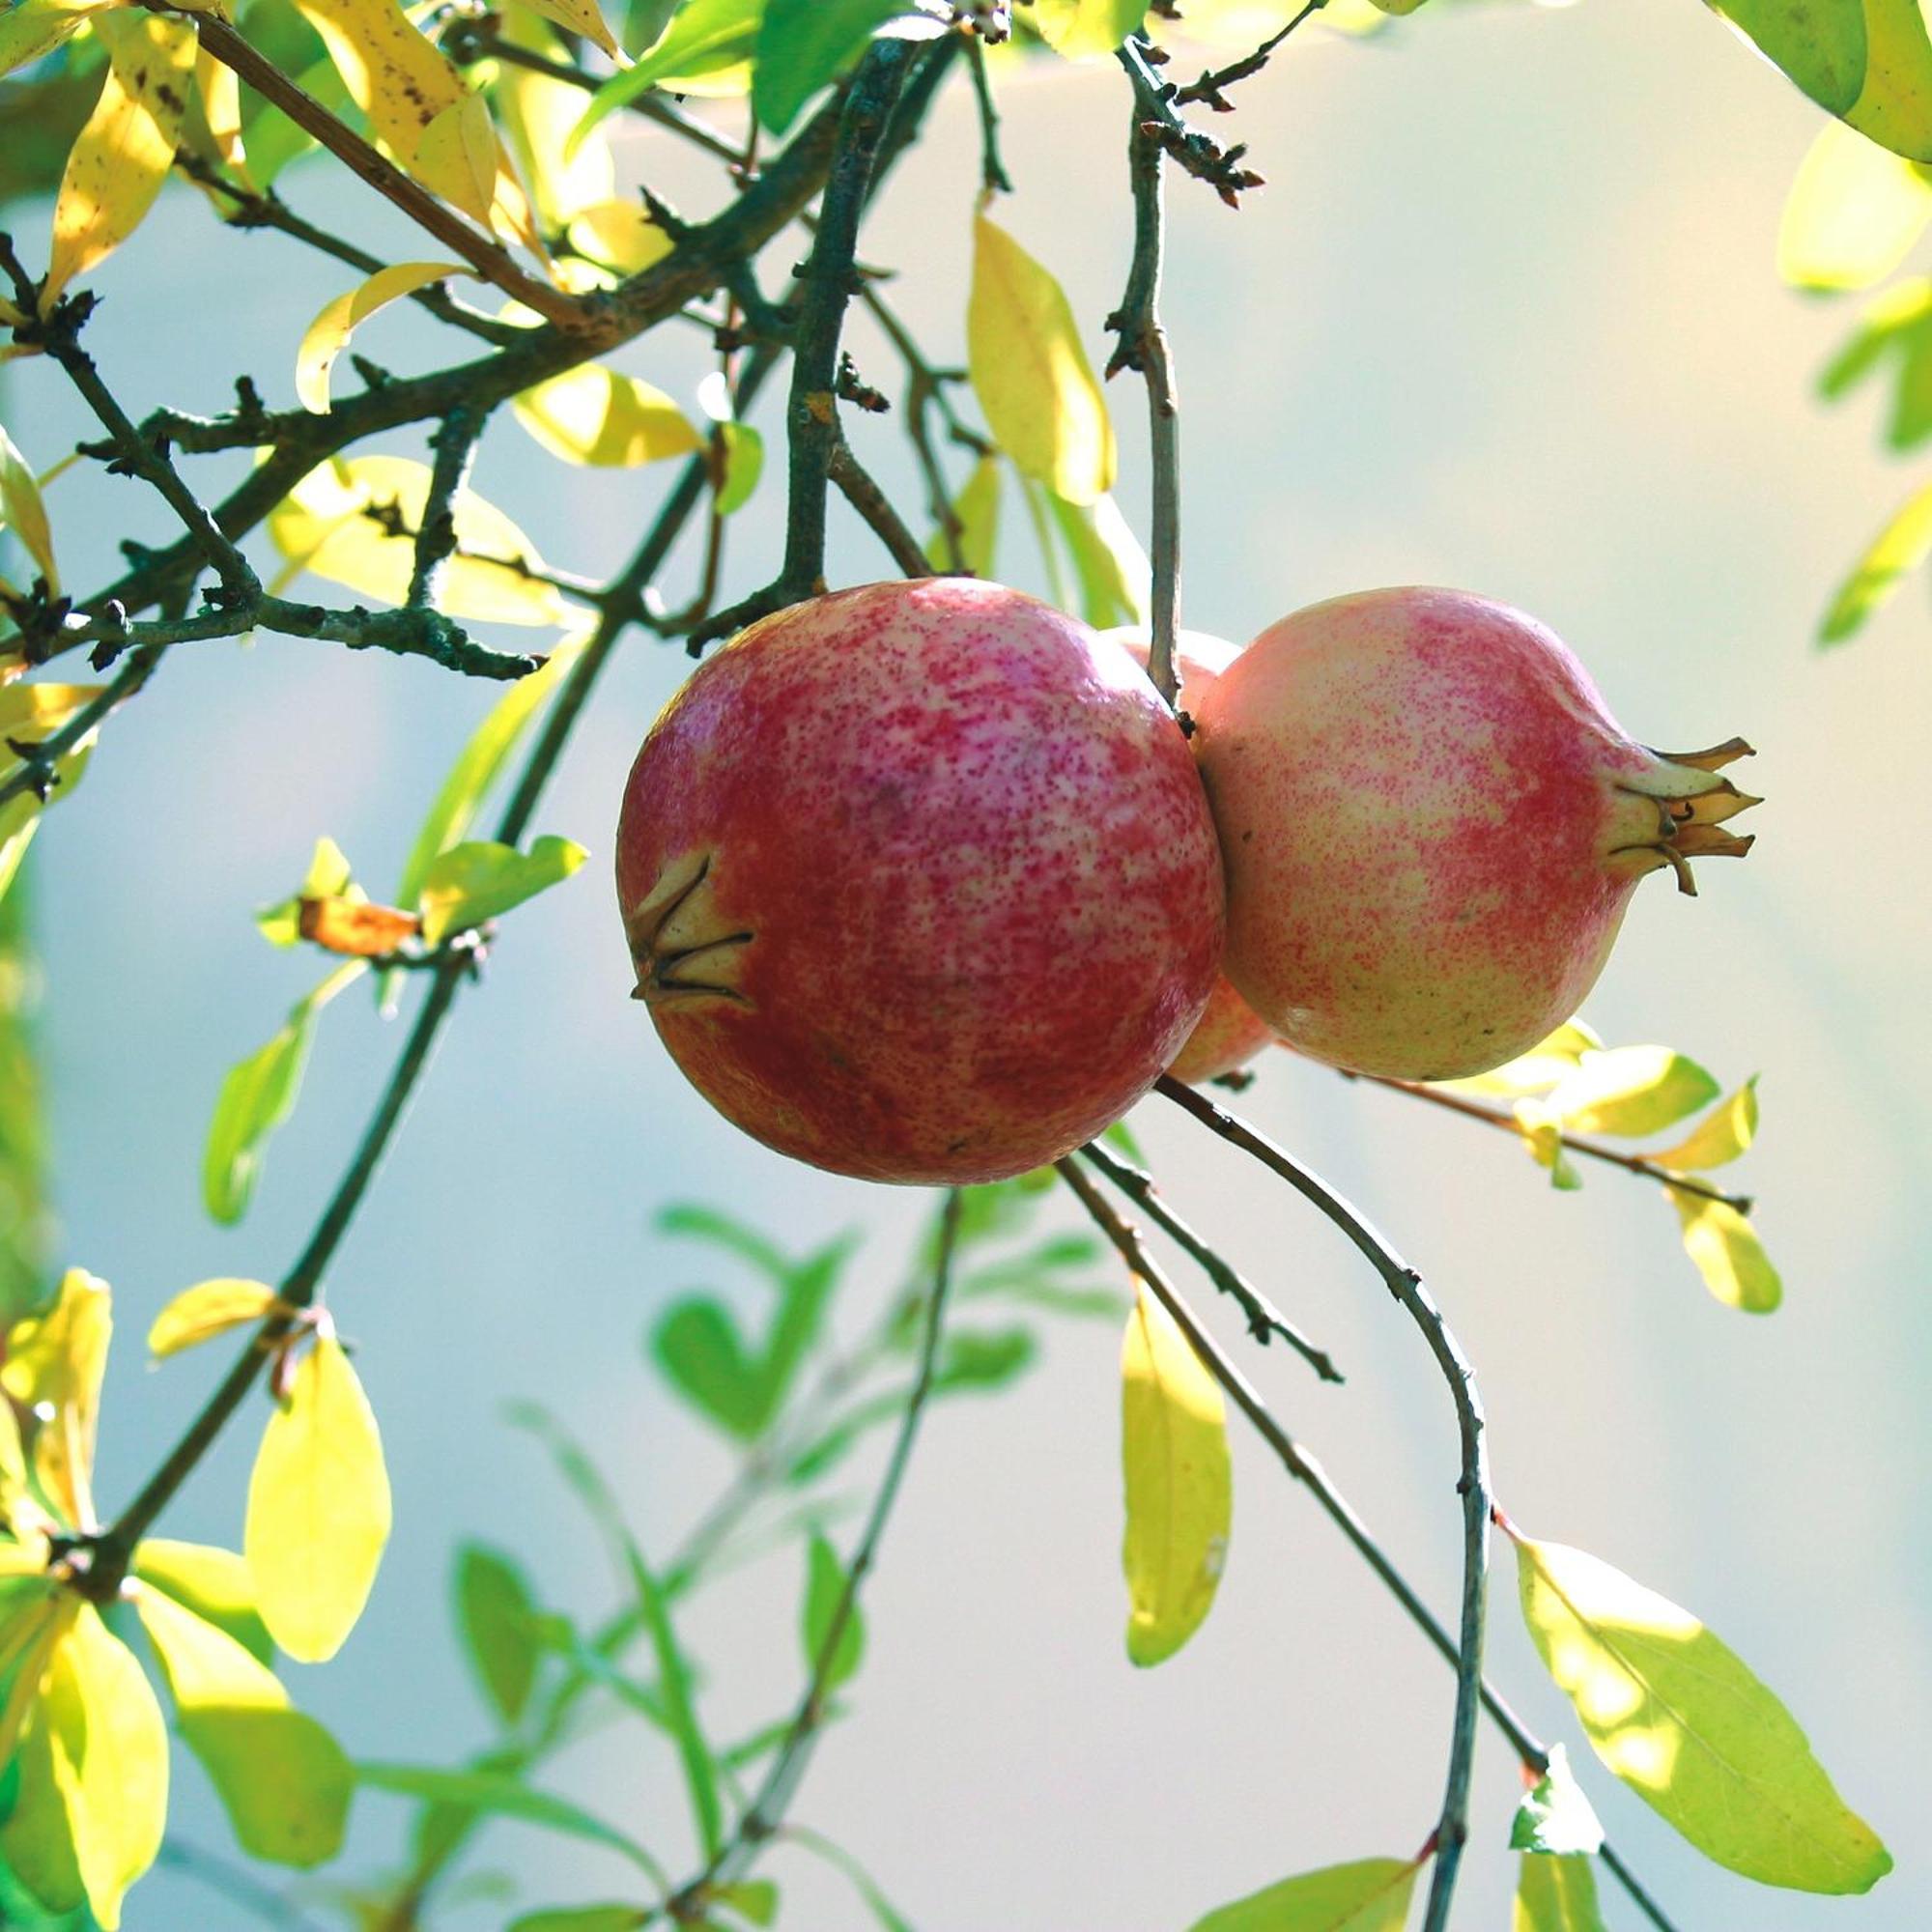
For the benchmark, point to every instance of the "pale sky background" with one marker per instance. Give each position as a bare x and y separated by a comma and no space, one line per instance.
1505,317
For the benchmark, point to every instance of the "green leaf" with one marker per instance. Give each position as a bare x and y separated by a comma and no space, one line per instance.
496,1614
1113,570
1371,1895
697,1347
806,45
706,40
1556,1817
506,1797
1556,1894
583,1918
282,1779
700,1768
824,1586
215,1584
977,511
1087,29
256,1096
1819,43
1899,549
1724,1134
474,882
1896,329
1727,1252
1179,1483
982,1359
1894,105
1031,374
1678,1717
744,464
1631,1090
840,1860
1853,213
754,1900
208,1310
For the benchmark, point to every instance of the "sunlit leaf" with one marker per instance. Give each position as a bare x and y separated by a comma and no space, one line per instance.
29,714
1370,1896
1727,1252
1894,105
1174,1440
804,45
706,48
36,27
594,416
1556,1894
26,1218
327,878
326,525
258,1093
283,1781
977,512
1542,1129
824,1586
1087,29
54,1364
23,511
497,1618
1854,211
476,881
744,464
1720,1137
1032,376
1676,1714
1536,1072
1108,561
1555,1816
538,113
208,1309
580,17
328,334
616,235
125,151
1631,1090
1900,548
318,1506
1820,44
213,1583
34,1613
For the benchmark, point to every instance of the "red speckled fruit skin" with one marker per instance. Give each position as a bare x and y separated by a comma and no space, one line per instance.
976,864
1230,1033
1415,791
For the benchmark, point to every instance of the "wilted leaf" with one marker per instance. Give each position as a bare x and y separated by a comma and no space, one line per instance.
1631,1090
1727,1252
1901,546
1853,213
283,1781
328,877
23,511
1112,568
497,1617
592,414
824,1586
707,48
208,1309
54,1364
1371,1895
977,511
328,334
213,1583
1087,29
470,883
1034,383
1720,1137
1676,1714
318,1506
1556,1817
125,151
1820,44
1556,1894
1178,1483
353,926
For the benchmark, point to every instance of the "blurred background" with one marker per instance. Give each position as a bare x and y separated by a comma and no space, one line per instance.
1504,317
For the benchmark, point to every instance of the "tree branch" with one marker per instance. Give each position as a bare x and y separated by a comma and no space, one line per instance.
1199,153
858,488
454,447
1473,1485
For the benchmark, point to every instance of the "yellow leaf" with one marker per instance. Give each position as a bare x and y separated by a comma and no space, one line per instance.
1556,1894
213,1583
328,335
538,114
1630,1091
580,17
457,155
22,510
324,526
283,1779
1369,1895
1174,1447
108,1749
122,156
1674,1712
1030,373
1728,1253
220,91
1895,106
402,83
31,1622
592,414
36,1840
208,1309
1721,1137
977,510
618,235
1087,29
54,1363
37,27
1898,550
1854,211
317,1507
1546,1062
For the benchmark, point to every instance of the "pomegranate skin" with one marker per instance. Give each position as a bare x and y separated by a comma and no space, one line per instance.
1432,826
1230,1033
920,882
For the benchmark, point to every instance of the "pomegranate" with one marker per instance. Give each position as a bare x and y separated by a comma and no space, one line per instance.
1230,1033
1432,826
920,882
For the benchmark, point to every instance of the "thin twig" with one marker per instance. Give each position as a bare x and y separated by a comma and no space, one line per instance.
855,485
1263,1318
1143,347
1306,1468
1497,1117
40,761
767,1809
454,447
993,174
1201,155
1207,90
1473,1485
